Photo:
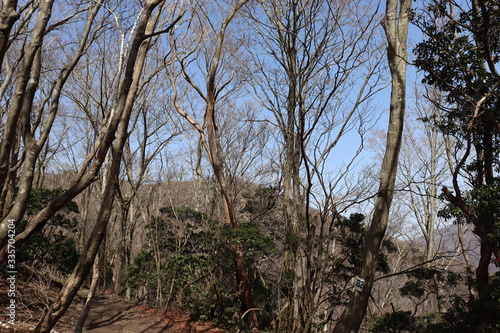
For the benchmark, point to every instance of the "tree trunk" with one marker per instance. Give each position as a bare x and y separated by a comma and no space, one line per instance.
26,96
90,297
18,106
395,25
82,269
247,302
8,17
212,144
8,189
430,214
124,107
120,255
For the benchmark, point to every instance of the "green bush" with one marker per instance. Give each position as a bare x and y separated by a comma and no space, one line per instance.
480,315
190,257
54,246
476,315
396,322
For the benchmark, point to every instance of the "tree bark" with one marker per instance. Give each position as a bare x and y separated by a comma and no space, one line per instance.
395,24
120,255
90,298
8,17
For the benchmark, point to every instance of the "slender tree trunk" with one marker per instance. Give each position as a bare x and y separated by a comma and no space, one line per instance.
90,297
82,269
431,211
120,255
212,144
482,271
461,239
395,25
125,102
242,280
33,146
8,189
18,106
487,162
8,17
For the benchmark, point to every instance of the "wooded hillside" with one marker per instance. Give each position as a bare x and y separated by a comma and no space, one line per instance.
273,166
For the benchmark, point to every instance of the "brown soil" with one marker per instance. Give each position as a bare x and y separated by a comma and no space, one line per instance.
109,314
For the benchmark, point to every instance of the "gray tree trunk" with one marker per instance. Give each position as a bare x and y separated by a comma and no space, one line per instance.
125,102
34,146
395,24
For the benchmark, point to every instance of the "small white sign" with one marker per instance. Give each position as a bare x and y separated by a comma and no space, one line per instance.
359,284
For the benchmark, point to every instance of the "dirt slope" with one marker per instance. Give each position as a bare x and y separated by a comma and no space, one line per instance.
109,314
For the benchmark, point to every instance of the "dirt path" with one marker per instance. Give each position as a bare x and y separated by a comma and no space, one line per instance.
111,314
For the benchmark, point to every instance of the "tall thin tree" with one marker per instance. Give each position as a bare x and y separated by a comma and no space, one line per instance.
124,105
210,137
395,24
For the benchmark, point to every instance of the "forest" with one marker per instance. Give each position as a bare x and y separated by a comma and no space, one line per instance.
291,166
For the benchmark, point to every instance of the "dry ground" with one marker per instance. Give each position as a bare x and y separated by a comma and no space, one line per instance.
109,313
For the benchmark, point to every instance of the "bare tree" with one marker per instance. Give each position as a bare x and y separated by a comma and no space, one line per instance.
151,134
320,68
395,25
213,46
8,17
33,146
10,131
414,225
423,167
145,30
